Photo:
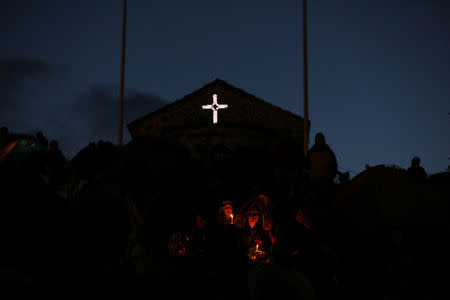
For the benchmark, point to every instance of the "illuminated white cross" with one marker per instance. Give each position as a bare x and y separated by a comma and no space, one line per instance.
215,107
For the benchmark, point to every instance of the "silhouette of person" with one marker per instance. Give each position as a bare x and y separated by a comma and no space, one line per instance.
4,136
55,155
4,131
321,166
197,238
321,162
54,165
255,242
225,214
417,170
42,139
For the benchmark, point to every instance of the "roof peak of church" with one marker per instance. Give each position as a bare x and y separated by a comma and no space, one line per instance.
206,86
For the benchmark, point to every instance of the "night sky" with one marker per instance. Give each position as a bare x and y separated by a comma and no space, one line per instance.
379,70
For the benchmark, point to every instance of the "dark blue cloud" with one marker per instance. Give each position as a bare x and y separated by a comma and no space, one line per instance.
99,108
92,116
16,75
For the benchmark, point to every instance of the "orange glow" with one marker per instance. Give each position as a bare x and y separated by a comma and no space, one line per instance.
232,218
6,150
264,198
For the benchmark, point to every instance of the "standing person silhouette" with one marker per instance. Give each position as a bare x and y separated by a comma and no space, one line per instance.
321,168
321,163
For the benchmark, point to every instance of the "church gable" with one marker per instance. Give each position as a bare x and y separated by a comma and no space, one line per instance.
217,104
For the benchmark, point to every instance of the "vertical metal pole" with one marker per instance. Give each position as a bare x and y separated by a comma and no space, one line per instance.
305,84
122,71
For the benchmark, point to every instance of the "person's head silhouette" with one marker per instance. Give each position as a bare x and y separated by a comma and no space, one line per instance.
4,130
319,139
415,162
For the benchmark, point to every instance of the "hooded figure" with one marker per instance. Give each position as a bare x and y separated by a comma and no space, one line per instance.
255,242
320,161
322,168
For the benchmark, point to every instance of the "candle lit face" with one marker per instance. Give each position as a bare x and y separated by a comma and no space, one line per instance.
299,216
200,222
227,210
253,218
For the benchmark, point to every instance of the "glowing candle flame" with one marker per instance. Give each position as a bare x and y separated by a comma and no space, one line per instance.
231,216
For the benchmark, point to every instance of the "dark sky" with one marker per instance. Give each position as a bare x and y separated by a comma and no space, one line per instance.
379,70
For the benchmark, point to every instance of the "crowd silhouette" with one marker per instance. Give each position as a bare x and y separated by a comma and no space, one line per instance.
92,227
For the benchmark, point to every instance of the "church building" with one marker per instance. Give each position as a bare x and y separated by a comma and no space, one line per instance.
232,132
